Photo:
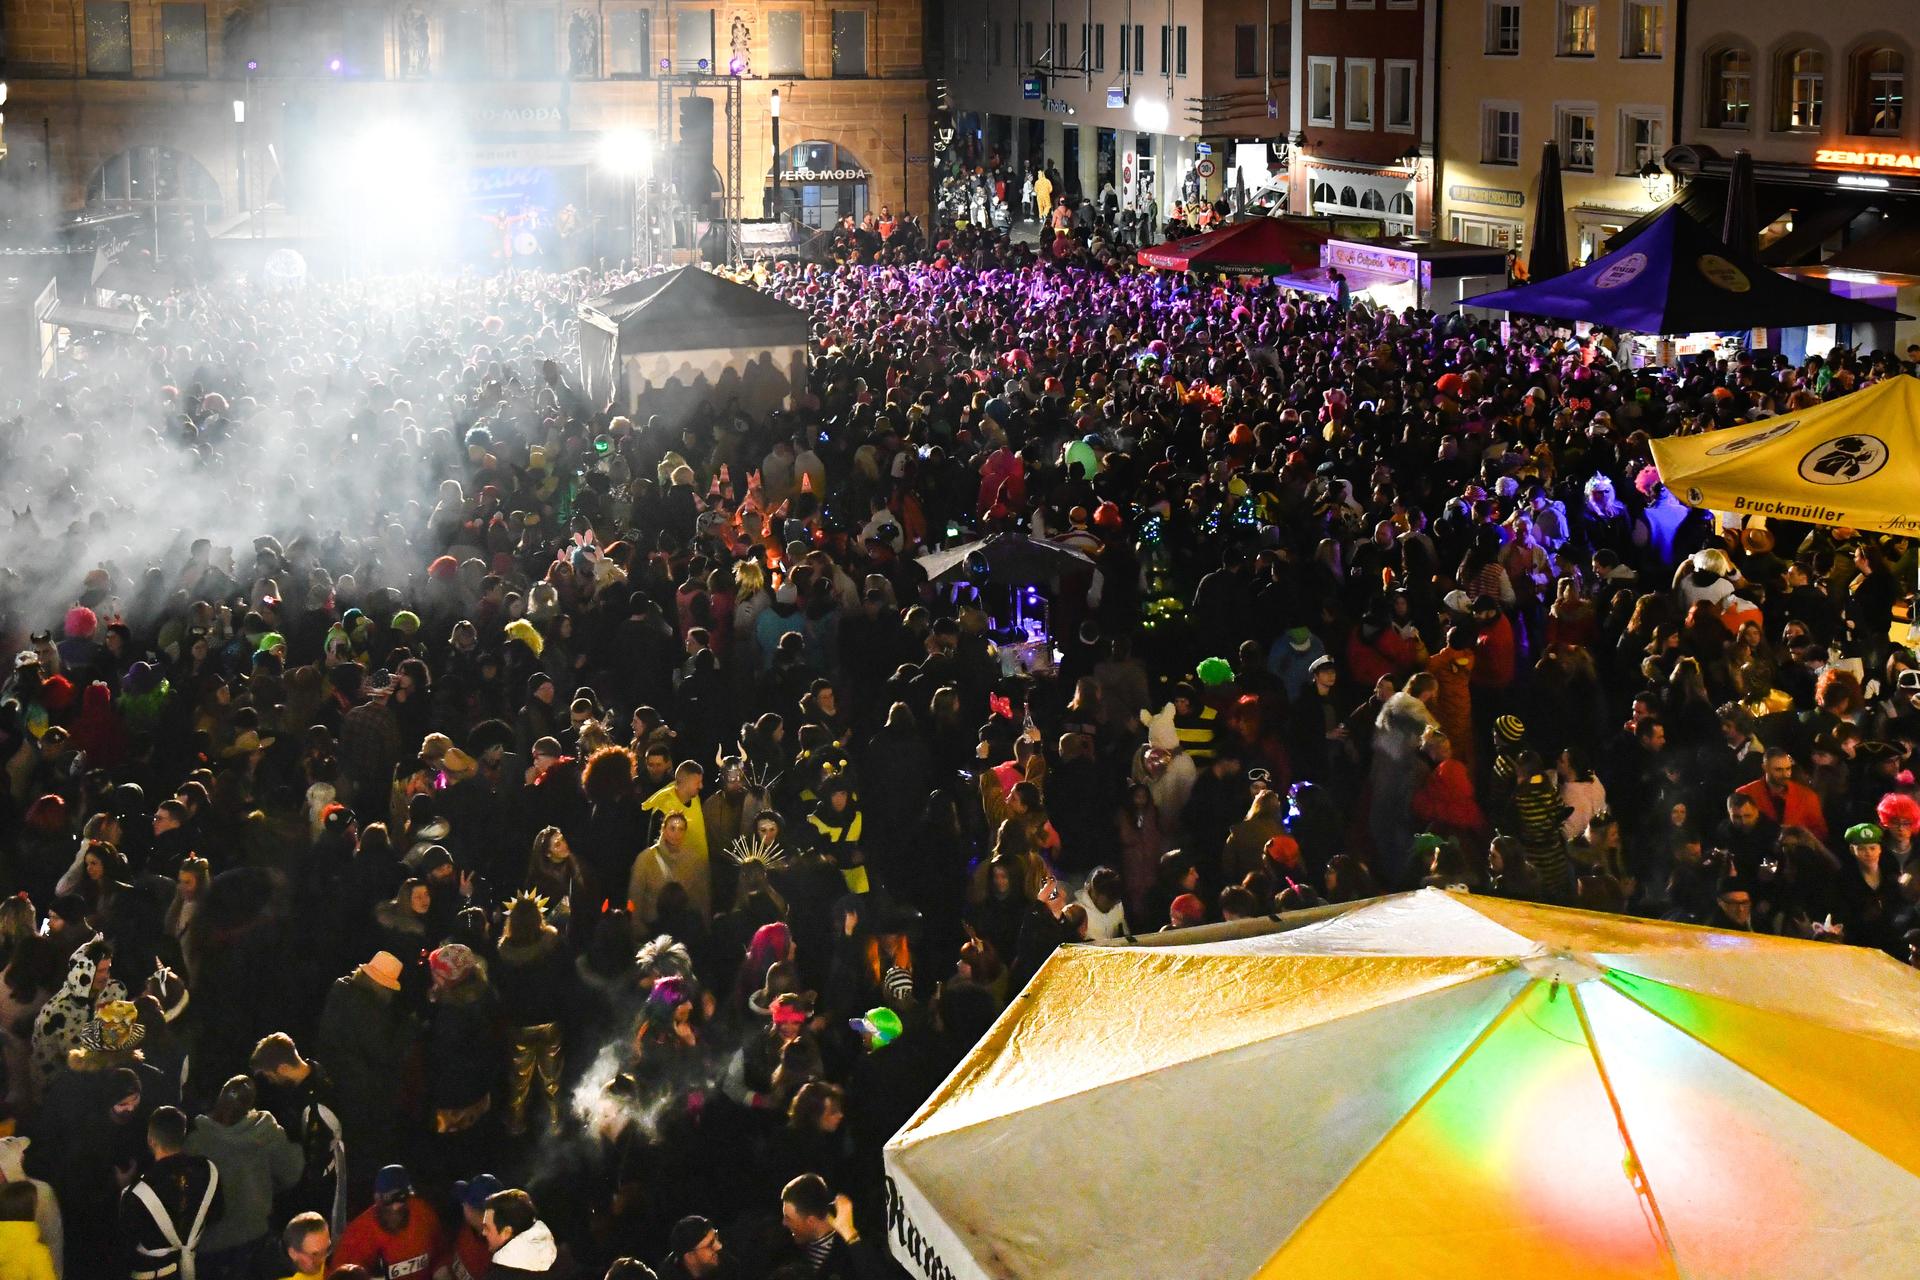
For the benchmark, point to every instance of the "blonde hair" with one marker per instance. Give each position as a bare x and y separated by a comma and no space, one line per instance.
749,576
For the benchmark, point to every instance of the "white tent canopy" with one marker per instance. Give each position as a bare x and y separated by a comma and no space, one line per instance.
1433,1084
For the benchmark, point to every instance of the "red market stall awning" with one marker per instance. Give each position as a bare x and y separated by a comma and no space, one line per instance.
1252,244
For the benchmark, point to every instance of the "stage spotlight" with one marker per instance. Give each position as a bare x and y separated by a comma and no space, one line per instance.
624,151
736,65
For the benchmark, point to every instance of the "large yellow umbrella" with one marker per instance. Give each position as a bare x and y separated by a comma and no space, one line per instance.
1854,461
1430,1085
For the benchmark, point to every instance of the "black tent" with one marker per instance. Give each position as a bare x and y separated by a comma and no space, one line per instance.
688,310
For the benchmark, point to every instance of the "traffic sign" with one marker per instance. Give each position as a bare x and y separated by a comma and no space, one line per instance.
1204,168
1203,148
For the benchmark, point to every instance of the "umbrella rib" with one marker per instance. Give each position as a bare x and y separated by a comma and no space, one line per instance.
1440,1081
1636,1172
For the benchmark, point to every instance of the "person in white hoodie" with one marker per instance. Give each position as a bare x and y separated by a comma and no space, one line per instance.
46,1206
1105,900
522,1244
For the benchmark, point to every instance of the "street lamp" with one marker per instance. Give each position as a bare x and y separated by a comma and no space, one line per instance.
774,107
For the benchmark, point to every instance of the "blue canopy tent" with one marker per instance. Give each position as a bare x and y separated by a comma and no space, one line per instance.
1677,277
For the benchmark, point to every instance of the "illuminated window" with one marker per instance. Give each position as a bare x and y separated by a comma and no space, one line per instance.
1880,91
1802,90
1577,22
1730,89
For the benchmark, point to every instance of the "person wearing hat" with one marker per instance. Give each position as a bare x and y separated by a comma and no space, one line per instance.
1866,901
470,1252
696,1252
366,1035
255,1161
399,1234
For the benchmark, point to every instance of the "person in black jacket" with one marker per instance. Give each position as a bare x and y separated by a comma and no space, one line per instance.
533,979
464,1050
164,1215
825,1241
298,1093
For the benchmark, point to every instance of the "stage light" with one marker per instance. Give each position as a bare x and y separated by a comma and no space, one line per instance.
736,65
624,151
704,66
1150,114
666,64
239,110
253,64
333,65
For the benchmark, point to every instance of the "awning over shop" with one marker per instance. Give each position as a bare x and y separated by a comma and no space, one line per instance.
1894,249
1251,244
1678,277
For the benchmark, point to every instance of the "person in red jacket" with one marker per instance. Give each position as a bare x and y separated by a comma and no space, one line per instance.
398,1236
1445,802
1778,796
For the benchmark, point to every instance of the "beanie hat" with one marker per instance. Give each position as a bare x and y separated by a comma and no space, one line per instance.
882,1024
452,964
406,620
1510,728
1188,909
80,623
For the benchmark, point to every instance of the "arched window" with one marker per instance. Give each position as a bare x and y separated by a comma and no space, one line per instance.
1371,199
145,175
1401,206
1879,91
1323,193
1800,90
1729,89
1349,200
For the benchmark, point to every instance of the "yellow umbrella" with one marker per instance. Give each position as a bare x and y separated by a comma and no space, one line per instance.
1851,462
1429,1085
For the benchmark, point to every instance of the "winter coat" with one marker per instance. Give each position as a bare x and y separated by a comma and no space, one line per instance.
366,1035
464,1048
256,1160
531,1253
56,1029
46,1206
23,1256
534,980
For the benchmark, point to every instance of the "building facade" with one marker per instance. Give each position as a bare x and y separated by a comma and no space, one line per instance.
1362,96
1597,77
224,109
1159,99
1820,102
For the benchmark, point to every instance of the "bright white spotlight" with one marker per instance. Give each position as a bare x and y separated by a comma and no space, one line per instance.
624,150
1150,114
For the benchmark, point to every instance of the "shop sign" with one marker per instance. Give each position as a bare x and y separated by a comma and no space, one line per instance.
1848,158
1395,264
1496,196
1116,97
518,117
1032,88
824,175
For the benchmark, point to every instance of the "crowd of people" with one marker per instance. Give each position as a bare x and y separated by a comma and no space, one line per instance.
457,829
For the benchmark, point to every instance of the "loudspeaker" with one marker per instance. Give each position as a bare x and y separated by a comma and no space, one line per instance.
693,176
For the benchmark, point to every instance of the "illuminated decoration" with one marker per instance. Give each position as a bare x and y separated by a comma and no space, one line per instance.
736,65
1214,671
1848,158
1448,1084
1165,610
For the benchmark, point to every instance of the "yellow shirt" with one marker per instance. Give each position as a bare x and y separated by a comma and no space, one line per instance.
692,860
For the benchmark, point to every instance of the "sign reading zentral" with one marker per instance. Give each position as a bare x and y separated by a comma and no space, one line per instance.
1847,158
